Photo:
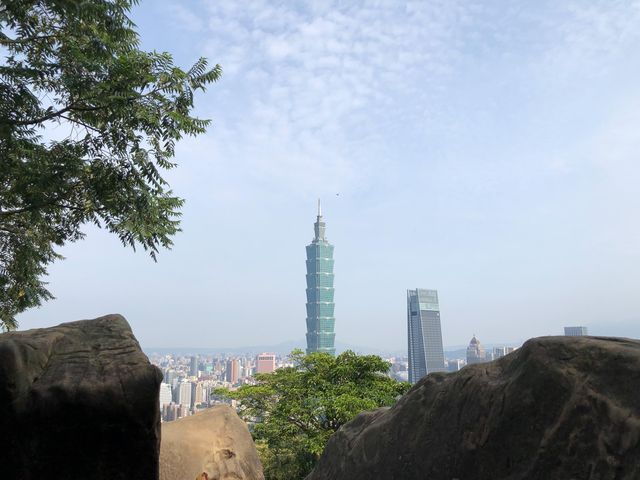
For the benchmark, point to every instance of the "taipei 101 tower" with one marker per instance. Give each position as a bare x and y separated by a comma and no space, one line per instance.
320,319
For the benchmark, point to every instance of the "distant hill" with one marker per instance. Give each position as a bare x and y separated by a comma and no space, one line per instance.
282,348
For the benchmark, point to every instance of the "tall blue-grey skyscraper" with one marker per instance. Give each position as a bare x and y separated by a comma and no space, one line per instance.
426,354
320,306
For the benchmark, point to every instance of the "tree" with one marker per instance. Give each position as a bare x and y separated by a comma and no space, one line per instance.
117,112
296,409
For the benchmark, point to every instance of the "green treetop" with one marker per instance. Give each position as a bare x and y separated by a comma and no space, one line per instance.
118,111
296,409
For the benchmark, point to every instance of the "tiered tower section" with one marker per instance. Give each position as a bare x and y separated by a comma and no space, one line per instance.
320,306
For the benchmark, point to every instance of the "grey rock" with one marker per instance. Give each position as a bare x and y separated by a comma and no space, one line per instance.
565,408
215,441
78,401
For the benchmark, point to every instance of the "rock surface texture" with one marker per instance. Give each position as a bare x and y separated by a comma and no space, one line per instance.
214,441
78,401
559,408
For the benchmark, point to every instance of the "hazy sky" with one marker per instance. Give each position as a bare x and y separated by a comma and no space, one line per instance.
489,150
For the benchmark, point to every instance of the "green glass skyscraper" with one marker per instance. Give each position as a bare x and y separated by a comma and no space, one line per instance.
320,306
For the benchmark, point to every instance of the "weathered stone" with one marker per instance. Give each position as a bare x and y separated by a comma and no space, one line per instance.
78,401
214,441
559,408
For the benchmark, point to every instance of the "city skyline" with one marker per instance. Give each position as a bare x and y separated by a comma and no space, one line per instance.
485,149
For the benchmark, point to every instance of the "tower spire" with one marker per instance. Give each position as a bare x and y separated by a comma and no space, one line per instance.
319,226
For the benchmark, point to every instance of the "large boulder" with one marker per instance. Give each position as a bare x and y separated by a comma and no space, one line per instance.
78,401
214,441
559,408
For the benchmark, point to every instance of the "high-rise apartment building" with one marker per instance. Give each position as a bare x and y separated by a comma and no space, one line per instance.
170,376
320,306
426,354
499,352
232,373
196,393
265,363
166,395
169,412
193,370
174,411
182,393
575,331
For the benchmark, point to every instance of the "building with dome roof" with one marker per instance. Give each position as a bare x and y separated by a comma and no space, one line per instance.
475,352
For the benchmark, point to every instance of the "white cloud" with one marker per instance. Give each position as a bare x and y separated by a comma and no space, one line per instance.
585,39
319,79
184,18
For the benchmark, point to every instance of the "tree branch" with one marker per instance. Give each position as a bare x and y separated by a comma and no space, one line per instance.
48,203
85,125
7,213
4,40
59,113
10,230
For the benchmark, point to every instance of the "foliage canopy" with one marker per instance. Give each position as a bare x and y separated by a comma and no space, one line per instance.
87,123
296,409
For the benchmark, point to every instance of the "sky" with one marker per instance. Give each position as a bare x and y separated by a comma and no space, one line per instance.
489,150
